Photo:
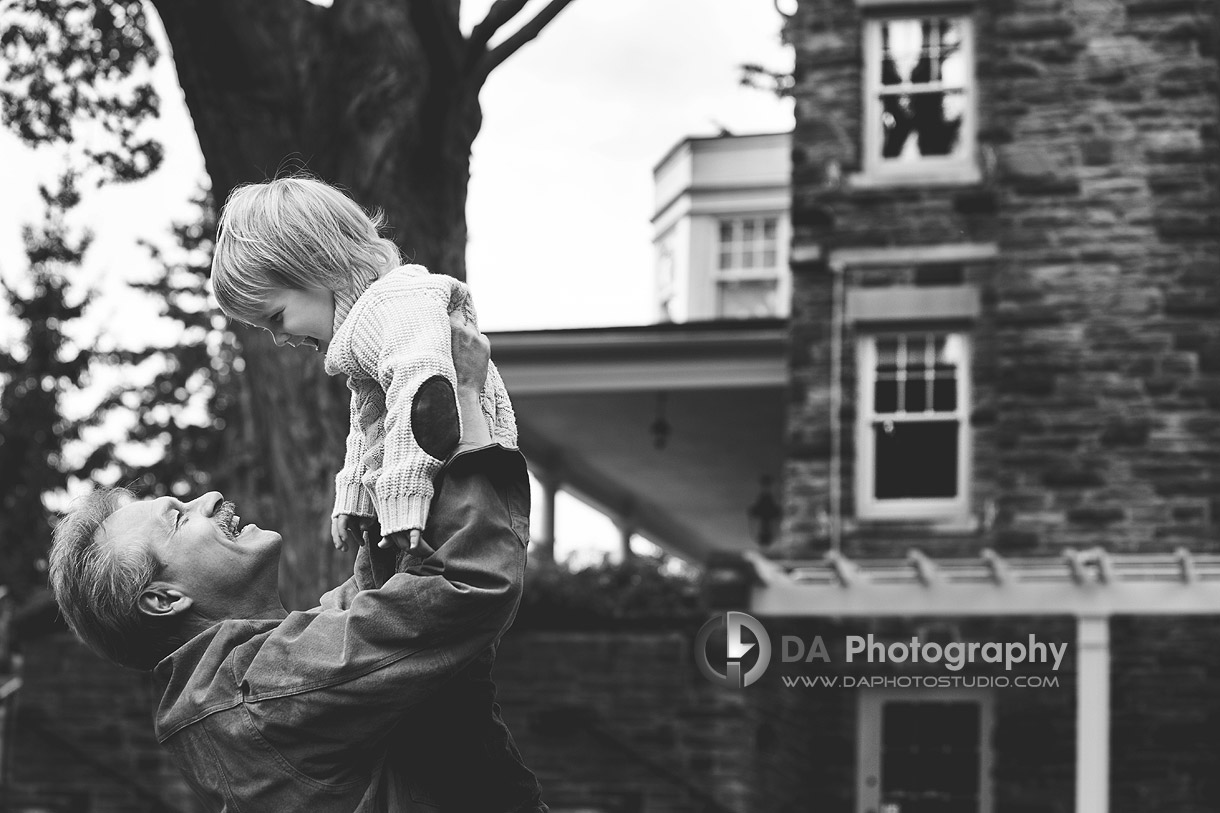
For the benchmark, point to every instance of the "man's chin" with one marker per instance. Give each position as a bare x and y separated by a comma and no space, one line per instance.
254,536
270,538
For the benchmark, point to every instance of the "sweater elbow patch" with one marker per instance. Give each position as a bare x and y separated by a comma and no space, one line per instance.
434,418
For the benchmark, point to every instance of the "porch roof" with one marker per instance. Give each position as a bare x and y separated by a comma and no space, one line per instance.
586,401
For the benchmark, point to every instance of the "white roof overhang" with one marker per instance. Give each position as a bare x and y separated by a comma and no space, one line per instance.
586,400
1079,583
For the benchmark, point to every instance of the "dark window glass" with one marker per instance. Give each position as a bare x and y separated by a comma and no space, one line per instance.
944,395
916,395
916,459
930,757
885,396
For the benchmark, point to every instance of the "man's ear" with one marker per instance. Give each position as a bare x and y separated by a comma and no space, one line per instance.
162,600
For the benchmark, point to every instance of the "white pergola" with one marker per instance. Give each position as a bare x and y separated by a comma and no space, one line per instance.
1090,585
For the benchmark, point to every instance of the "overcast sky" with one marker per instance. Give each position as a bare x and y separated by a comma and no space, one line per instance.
561,190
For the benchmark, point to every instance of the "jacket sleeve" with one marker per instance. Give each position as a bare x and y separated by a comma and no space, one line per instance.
351,497
403,341
331,680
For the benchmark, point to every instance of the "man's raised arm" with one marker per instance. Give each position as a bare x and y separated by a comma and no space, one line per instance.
352,671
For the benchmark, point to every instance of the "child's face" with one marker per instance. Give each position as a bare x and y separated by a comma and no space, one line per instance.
300,317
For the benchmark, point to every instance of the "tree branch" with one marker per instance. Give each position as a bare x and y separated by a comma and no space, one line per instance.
492,59
500,13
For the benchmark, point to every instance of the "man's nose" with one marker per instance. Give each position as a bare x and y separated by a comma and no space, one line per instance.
208,503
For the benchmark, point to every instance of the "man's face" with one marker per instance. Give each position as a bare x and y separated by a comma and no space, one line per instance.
227,571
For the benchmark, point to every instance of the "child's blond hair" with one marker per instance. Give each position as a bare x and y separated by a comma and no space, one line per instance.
294,233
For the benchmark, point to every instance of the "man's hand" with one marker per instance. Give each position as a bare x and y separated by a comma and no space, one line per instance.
347,528
471,353
411,541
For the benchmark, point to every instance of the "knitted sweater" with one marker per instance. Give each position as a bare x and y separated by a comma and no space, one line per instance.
390,342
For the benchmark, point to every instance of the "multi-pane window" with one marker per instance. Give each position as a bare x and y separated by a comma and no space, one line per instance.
925,754
918,104
749,242
748,272
913,441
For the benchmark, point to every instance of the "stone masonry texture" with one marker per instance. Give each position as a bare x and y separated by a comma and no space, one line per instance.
1096,359
1095,409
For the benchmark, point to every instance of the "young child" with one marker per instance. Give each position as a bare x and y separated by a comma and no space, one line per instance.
299,258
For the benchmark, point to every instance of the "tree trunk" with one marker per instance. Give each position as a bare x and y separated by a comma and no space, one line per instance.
370,96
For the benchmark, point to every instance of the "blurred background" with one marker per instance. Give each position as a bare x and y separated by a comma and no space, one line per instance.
861,316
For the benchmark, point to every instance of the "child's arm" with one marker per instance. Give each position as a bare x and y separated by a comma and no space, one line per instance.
470,357
402,340
351,497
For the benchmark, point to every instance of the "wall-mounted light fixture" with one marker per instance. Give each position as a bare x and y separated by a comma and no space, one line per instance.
660,427
764,514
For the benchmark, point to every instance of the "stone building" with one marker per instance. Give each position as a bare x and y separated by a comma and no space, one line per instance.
1004,419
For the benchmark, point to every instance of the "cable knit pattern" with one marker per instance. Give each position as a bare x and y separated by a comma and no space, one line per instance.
388,341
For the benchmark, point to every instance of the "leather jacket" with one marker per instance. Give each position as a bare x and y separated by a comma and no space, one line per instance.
378,699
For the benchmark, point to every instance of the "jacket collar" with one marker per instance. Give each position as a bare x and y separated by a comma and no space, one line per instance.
202,676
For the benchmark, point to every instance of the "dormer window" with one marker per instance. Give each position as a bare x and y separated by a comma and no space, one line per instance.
919,100
748,274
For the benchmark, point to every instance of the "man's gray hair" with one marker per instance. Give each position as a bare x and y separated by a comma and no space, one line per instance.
98,585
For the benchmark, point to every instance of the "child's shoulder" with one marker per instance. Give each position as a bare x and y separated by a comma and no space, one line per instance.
406,281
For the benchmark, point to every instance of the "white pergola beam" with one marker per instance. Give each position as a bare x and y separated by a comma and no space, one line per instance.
945,599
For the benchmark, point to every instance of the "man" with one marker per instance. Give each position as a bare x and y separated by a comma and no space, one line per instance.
266,710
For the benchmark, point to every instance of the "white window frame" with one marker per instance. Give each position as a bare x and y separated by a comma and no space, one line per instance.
666,276
957,169
953,509
868,739
776,273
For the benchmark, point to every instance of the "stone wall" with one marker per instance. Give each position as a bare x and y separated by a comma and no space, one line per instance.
1096,365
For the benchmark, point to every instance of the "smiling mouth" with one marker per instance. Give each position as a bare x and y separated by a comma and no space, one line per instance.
229,521
310,342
